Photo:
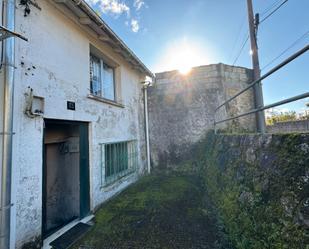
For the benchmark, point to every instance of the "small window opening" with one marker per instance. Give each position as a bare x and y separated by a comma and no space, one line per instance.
118,160
102,78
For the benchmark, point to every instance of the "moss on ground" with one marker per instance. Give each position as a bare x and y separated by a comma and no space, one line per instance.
161,211
240,191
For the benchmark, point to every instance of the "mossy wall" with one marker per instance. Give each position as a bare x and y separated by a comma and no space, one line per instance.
260,186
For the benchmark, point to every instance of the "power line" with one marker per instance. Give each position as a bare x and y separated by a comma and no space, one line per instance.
270,7
275,5
241,49
287,49
237,37
276,9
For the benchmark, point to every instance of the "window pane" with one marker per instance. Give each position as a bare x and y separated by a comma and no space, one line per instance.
117,156
95,76
108,83
107,161
125,156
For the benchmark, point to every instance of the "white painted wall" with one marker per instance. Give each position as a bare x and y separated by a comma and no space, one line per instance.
55,63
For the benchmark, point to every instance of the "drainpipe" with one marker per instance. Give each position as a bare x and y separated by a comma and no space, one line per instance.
7,133
145,87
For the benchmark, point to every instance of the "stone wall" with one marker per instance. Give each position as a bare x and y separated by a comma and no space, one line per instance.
259,184
181,108
289,126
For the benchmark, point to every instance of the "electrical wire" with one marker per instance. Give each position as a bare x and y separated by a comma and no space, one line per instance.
270,7
263,13
237,37
287,49
275,10
241,49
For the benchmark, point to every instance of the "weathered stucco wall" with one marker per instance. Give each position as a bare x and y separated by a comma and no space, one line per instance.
181,108
55,63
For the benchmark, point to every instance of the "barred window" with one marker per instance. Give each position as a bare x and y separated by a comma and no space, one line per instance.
118,160
102,82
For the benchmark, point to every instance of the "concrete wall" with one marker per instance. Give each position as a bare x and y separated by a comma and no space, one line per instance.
289,126
55,63
181,108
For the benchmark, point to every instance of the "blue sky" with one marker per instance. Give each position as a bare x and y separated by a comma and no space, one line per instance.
212,31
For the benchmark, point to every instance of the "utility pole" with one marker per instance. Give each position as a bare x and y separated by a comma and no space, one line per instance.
258,93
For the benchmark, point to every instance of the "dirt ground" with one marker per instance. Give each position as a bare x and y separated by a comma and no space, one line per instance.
157,212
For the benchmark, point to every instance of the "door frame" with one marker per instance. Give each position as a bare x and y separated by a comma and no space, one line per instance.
84,175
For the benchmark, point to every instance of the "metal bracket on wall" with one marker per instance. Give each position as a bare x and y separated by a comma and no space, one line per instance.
26,3
5,33
7,133
6,207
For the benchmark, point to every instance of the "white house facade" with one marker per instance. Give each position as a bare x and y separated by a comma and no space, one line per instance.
78,117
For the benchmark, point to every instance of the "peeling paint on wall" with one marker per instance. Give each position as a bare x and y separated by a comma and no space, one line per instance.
55,63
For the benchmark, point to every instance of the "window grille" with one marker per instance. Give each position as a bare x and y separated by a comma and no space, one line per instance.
118,160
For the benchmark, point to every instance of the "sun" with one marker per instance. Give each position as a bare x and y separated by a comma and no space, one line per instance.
185,60
183,55
184,70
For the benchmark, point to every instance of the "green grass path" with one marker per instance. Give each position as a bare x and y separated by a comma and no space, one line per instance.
161,211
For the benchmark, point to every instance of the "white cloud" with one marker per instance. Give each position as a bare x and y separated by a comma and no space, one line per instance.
134,25
138,4
111,6
118,7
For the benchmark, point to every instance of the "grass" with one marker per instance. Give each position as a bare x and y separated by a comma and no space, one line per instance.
161,211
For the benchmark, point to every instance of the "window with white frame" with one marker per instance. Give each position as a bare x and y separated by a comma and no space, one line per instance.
102,78
118,160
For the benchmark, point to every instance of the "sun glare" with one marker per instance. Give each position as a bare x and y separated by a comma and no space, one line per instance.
184,69
184,60
182,56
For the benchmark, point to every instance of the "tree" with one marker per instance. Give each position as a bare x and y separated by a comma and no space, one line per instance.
281,117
